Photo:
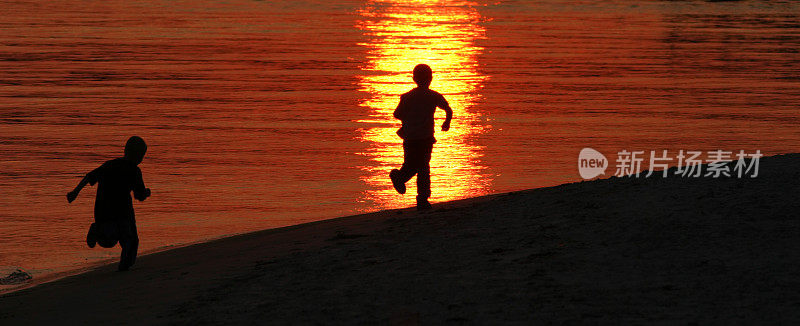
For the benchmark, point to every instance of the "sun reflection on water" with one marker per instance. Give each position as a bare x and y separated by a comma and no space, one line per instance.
439,33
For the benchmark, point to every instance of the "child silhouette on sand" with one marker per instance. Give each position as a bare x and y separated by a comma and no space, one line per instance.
113,208
416,111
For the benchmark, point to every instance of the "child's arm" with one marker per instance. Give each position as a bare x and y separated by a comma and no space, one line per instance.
446,107
74,193
140,192
141,195
399,112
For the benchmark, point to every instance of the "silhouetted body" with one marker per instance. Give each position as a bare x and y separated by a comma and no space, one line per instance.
113,207
416,112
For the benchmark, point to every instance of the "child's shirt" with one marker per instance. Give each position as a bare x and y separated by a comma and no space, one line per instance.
416,110
116,178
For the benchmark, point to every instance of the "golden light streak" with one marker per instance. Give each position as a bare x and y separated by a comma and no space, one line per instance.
439,33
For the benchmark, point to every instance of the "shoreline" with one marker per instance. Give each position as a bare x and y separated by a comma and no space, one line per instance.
612,250
111,263
91,266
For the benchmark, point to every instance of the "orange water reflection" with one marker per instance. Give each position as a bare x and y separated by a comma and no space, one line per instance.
440,33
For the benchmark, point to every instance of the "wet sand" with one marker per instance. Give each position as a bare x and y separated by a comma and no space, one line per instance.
618,250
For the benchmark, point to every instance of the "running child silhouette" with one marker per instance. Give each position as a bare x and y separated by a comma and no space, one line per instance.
113,208
415,111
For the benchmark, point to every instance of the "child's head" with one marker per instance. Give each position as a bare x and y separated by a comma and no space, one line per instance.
135,149
423,75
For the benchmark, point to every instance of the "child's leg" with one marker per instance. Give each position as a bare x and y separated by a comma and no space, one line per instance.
424,174
410,159
424,182
129,241
91,236
106,233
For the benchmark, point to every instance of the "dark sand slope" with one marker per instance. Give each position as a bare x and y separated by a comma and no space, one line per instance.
618,250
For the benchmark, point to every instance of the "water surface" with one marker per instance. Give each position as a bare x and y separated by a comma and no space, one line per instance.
261,114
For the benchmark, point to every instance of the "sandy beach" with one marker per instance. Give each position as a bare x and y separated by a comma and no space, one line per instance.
619,250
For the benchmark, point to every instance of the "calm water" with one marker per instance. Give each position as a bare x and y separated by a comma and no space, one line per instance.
261,114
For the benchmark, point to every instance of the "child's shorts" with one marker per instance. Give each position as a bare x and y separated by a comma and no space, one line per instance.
105,233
